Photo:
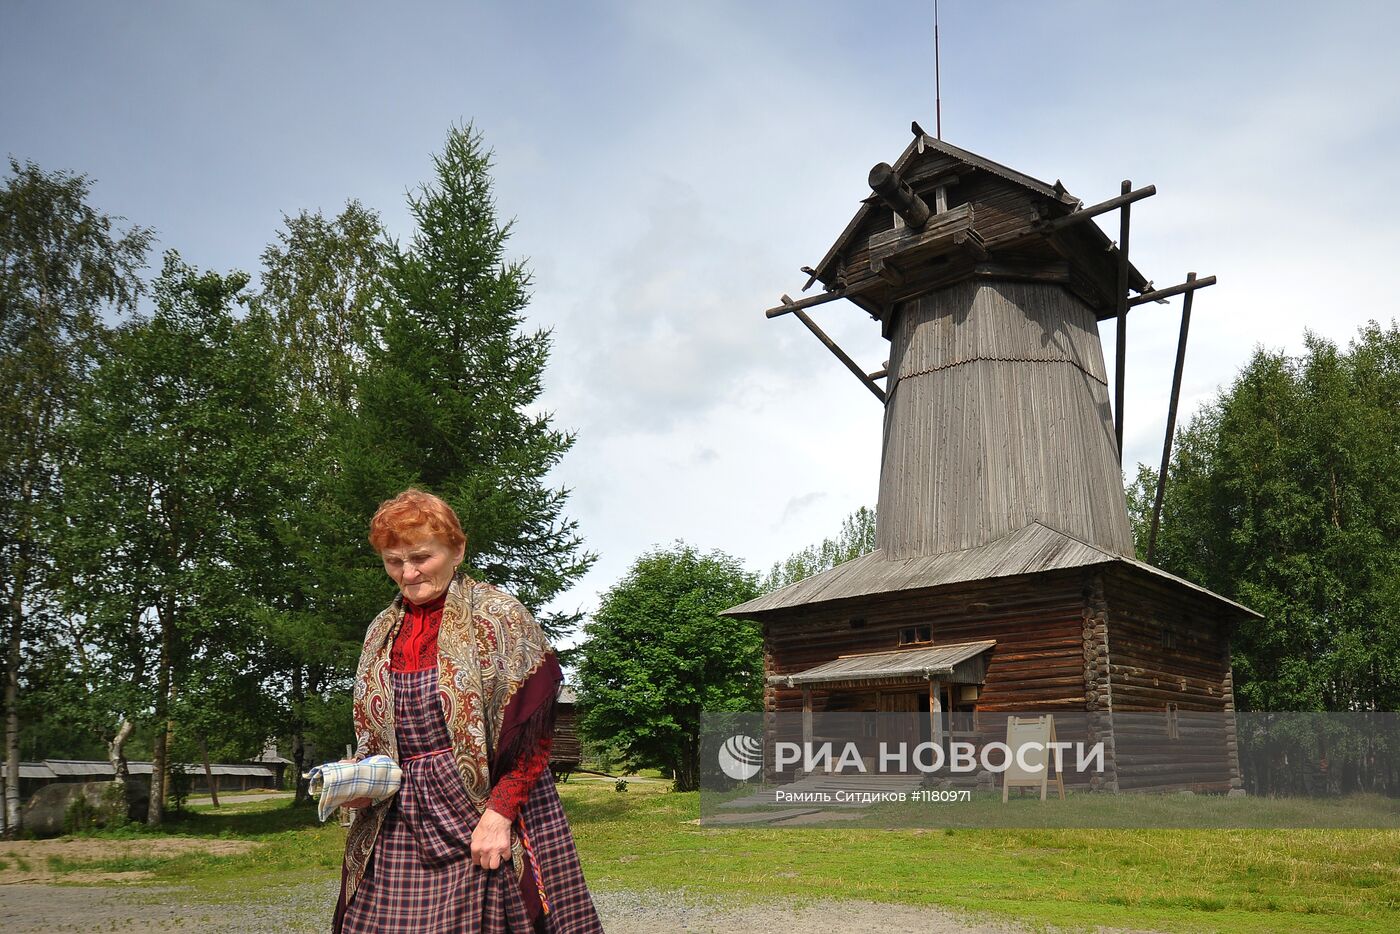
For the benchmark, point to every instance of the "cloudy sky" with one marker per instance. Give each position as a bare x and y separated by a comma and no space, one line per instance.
671,165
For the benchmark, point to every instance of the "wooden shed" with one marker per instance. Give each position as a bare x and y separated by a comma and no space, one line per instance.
566,753
1004,577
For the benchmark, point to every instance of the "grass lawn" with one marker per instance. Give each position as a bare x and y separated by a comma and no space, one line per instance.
646,839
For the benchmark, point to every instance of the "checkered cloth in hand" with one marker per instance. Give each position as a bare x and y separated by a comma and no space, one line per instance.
376,778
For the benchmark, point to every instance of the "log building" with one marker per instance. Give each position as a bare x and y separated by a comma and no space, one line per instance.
566,752
1004,577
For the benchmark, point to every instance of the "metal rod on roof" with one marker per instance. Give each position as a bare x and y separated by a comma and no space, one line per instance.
1171,418
937,77
1158,295
1093,210
1122,336
840,354
788,306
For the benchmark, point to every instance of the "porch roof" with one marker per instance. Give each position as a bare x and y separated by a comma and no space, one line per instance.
933,662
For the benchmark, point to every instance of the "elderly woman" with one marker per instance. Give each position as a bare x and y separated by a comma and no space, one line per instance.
457,684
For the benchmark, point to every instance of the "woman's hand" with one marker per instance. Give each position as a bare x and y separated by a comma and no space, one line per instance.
491,841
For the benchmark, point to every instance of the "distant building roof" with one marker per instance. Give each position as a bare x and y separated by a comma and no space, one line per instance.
567,694
1032,549
97,770
271,754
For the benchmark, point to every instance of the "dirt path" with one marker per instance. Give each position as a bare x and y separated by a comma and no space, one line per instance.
28,861
242,797
27,908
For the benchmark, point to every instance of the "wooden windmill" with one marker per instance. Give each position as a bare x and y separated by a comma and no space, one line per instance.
1004,577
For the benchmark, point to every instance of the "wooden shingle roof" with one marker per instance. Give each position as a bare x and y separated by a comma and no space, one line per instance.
1033,549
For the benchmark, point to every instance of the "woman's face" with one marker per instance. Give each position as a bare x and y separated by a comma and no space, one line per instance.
422,567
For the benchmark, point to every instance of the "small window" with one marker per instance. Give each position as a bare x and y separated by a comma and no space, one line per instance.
913,635
858,622
1169,640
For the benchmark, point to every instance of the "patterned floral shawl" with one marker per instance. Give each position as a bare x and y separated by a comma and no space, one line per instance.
488,646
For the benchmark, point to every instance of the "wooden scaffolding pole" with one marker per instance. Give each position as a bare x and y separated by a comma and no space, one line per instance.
841,355
1124,216
1171,417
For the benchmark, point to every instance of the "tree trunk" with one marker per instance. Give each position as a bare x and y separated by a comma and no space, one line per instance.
299,736
208,772
688,770
20,579
155,814
116,753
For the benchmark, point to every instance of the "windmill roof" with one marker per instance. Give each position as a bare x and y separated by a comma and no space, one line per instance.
926,144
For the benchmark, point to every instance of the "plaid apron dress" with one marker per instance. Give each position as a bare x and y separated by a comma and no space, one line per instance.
421,878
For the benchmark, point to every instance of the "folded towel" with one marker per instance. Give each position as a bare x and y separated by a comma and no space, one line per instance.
376,778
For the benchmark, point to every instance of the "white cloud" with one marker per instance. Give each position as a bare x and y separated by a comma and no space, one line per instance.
671,165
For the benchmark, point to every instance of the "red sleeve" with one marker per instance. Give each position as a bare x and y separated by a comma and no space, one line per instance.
511,792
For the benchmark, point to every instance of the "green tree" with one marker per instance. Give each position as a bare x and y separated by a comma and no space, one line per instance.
322,286
182,435
63,264
447,399
856,538
657,654
1284,494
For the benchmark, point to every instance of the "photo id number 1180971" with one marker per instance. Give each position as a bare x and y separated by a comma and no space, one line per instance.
941,795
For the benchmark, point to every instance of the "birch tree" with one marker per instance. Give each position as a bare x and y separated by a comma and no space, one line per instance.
63,266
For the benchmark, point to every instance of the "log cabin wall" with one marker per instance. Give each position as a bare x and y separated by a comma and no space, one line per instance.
1098,683
1084,643
1172,691
566,751
1167,647
1037,620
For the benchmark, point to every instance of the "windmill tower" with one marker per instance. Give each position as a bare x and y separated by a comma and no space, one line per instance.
1004,577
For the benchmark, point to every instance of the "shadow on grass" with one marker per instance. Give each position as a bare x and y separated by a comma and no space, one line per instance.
618,807
234,822
278,819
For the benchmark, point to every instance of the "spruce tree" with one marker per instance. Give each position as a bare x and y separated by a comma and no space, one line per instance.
446,400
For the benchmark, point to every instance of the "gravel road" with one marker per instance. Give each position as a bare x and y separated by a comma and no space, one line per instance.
26,908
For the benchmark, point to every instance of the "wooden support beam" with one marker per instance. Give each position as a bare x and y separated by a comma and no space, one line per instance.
1120,357
1093,210
840,354
806,717
935,713
1158,295
879,374
1171,417
788,305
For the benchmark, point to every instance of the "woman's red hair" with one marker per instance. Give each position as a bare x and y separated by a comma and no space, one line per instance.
411,515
